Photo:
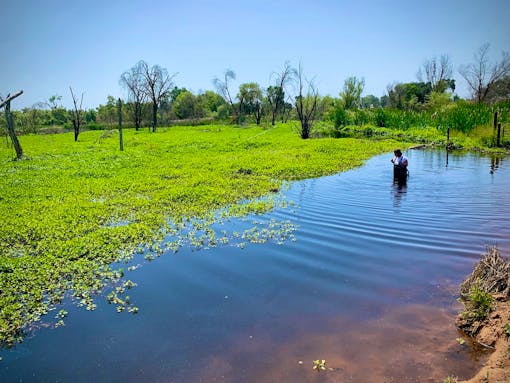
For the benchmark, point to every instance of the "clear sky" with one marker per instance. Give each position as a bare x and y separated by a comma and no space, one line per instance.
48,45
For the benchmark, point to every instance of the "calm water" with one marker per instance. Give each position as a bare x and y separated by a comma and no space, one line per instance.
369,285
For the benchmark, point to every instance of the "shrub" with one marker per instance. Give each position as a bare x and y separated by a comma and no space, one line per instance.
380,118
94,126
340,117
360,117
478,303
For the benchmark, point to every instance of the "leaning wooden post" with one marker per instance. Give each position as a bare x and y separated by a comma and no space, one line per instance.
10,123
447,137
495,120
119,111
498,140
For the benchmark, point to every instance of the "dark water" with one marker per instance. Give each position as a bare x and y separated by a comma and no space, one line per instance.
369,285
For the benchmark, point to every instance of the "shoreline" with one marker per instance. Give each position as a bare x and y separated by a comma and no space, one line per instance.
486,319
493,334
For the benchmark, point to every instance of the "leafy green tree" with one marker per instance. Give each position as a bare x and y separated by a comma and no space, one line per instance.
408,96
31,119
370,101
350,96
339,116
326,107
90,116
58,115
175,92
212,100
107,114
189,106
251,98
224,111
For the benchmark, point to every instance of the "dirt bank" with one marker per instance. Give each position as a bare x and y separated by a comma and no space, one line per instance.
486,297
493,335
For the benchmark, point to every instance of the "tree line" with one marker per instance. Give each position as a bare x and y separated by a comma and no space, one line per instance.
153,98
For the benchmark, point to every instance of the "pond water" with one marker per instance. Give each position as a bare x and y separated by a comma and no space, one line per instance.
369,285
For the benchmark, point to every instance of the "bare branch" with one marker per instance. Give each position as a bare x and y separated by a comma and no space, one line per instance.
9,98
481,76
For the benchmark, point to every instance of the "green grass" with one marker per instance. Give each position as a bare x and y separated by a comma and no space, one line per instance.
71,209
478,304
481,138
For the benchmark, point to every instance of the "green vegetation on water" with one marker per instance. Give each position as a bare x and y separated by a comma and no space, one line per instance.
73,208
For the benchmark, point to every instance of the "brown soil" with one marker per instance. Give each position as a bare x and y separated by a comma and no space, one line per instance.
493,335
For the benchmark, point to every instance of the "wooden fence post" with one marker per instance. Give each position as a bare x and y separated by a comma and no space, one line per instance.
119,111
10,123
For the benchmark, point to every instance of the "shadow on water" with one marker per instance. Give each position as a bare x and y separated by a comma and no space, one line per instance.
369,285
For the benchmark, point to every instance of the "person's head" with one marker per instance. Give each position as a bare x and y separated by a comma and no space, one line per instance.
397,152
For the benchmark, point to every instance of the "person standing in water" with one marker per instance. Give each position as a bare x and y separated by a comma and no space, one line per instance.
400,163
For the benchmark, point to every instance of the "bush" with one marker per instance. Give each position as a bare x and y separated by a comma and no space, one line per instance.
340,117
95,126
361,117
380,118
224,112
478,304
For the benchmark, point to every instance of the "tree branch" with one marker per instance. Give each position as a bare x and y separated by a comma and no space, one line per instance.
10,98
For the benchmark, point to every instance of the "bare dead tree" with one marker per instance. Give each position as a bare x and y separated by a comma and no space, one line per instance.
157,86
10,123
481,75
438,72
306,102
223,88
133,81
76,114
276,92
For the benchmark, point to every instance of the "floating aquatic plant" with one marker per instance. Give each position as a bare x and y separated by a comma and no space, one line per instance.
74,208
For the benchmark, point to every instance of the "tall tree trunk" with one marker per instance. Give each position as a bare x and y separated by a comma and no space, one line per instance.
154,116
138,113
76,130
305,129
77,114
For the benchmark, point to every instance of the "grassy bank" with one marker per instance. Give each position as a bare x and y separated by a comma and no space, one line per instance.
71,209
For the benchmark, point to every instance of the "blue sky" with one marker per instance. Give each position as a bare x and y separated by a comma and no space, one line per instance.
50,45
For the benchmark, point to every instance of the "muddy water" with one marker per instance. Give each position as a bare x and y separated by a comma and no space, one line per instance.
369,285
